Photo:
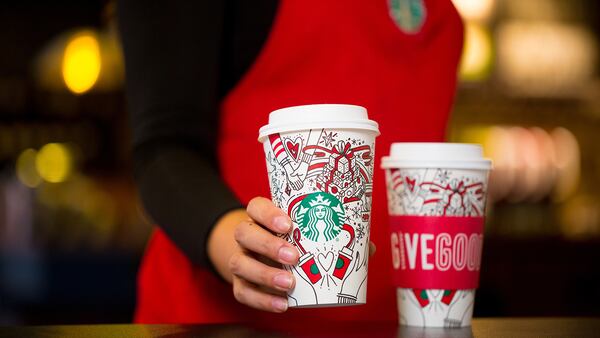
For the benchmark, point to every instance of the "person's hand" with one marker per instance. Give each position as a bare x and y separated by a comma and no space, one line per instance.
245,250
258,281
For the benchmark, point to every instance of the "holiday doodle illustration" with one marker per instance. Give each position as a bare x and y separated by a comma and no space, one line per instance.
307,260
448,308
295,163
322,179
436,192
304,288
285,161
345,255
342,175
354,286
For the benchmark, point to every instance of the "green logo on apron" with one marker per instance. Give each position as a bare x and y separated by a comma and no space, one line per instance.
409,15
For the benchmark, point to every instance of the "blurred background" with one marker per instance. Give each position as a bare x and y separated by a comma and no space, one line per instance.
72,231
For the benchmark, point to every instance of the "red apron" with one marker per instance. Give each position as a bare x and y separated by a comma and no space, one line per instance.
319,51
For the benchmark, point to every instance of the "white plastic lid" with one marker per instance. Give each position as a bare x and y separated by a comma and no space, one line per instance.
317,116
436,155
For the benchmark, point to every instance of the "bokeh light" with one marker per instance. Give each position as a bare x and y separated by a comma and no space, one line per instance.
25,168
529,163
477,56
580,217
54,162
545,59
567,162
474,9
527,158
81,62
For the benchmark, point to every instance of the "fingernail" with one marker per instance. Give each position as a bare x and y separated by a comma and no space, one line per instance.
282,224
287,255
280,304
283,281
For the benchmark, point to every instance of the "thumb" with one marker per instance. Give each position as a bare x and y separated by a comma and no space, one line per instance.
372,249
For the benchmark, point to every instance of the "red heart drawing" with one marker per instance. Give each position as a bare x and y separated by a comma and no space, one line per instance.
410,183
293,148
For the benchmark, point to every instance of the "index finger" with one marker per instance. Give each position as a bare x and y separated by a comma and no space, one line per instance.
264,212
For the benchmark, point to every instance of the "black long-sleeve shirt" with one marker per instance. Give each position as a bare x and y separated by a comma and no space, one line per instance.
181,58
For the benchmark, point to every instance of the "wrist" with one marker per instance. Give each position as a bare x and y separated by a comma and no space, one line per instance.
221,244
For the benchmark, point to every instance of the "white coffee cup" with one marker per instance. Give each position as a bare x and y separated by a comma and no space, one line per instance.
436,201
320,167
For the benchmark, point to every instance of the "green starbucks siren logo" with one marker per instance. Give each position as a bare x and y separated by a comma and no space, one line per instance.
320,216
409,15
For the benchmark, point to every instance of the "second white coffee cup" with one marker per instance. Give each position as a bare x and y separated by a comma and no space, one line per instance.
436,201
